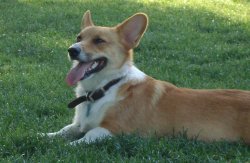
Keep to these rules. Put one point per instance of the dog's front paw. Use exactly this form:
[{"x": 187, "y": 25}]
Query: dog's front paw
[
  {"x": 80, "y": 141},
  {"x": 93, "y": 135},
  {"x": 41, "y": 134},
  {"x": 50, "y": 135},
  {"x": 74, "y": 143}
]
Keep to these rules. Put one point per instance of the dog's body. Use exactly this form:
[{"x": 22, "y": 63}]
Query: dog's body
[{"x": 139, "y": 103}]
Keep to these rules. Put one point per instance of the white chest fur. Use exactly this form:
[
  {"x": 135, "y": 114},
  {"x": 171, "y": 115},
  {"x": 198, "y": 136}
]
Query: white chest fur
[{"x": 89, "y": 115}]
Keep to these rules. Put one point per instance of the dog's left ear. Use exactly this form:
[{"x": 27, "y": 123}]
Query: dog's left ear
[
  {"x": 87, "y": 20},
  {"x": 132, "y": 29}
]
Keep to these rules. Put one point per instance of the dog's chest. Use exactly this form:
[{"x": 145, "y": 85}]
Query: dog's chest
[{"x": 90, "y": 114}]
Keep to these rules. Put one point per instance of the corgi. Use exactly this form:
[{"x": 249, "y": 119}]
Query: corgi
[{"x": 114, "y": 96}]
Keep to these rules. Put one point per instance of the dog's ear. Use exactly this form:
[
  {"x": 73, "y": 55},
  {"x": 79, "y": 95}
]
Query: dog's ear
[
  {"x": 86, "y": 20},
  {"x": 132, "y": 29}
]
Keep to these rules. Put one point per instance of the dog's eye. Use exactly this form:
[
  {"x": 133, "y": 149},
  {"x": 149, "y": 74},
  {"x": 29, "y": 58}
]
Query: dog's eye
[
  {"x": 98, "y": 40},
  {"x": 78, "y": 38}
]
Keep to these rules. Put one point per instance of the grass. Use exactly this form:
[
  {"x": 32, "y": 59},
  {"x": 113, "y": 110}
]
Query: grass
[{"x": 193, "y": 44}]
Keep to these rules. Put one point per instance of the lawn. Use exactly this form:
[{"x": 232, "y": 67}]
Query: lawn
[{"x": 196, "y": 44}]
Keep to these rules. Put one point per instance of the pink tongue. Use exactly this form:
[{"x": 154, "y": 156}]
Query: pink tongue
[{"x": 77, "y": 73}]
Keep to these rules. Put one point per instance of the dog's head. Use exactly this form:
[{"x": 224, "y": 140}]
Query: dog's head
[{"x": 100, "y": 50}]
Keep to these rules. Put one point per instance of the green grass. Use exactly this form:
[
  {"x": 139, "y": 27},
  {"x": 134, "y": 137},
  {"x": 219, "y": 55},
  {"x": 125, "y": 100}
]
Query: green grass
[{"x": 193, "y": 44}]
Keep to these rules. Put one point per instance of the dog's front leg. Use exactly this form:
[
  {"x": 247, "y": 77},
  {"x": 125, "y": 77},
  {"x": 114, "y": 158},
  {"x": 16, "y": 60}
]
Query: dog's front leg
[
  {"x": 97, "y": 133},
  {"x": 70, "y": 132}
]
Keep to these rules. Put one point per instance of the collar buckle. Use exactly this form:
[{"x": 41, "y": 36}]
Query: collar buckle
[
  {"x": 89, "y": 96},
  {"x": 95, "y": 95}
]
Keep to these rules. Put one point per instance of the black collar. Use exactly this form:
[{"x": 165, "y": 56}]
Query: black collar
[{"x": 93, "y": 95}]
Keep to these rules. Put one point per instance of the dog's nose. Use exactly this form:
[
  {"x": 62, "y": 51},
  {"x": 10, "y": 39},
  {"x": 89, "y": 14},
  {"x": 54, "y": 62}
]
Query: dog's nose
[{"x": 74, "y": 52}]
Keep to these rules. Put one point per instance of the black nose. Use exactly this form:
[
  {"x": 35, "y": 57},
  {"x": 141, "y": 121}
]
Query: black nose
[{"x": 74, "y": 52}]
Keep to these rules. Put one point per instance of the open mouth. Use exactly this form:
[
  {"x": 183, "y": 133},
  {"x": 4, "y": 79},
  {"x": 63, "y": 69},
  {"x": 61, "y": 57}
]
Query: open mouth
[{"x": 84, "y": 69}]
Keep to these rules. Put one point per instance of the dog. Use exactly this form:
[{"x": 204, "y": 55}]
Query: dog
[{"x": 114, "y": 97}]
